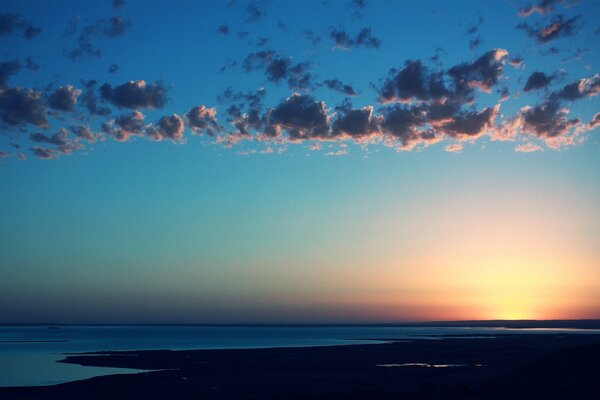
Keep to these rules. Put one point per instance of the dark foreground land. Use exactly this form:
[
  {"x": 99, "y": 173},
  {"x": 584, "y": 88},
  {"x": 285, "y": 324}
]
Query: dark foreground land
[{"x": 525, "y": 366}]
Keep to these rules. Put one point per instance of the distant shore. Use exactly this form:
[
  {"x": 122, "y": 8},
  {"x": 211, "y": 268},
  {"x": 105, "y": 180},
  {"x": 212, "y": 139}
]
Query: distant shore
[
  {"x": 515, "y": 324},
  {"x": 516, "y": 366}
]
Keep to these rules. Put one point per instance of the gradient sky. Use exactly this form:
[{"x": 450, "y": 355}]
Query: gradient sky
[{"x": 331, "y": 161}]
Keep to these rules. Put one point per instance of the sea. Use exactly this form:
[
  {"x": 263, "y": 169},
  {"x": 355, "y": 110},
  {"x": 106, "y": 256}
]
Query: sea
[{"x": 29, "y": 354}]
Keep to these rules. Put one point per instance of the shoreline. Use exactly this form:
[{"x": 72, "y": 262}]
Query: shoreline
[{"x": 527, "y": 366}]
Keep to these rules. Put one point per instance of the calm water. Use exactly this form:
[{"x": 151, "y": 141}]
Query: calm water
[{"x": 28, "y": 355}]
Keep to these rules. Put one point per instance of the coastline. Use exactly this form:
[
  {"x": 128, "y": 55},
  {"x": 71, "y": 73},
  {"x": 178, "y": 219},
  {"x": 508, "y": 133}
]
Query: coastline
[{"x": 515, "y": 365}]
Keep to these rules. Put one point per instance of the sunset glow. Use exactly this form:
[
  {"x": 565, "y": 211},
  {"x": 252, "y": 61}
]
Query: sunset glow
[{"x": 271, "y": 163}]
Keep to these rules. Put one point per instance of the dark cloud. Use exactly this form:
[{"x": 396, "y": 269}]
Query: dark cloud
[
  {"x": 244, "y": 109},
  {"x": 8, "y": 69},
  {"x": 113, "y": 68},
  {"x": 125, "y": 126},
  {"x": 547, "y": 120},
  {"x": 359, "y": 3},
  {"x": 278, "y": 69},
  {"x": 20, "y": 106},
  {"x": 63, "y": 144},
  {"x": 255, "y": 11},
  {"x": 169, "y": 127},
  {"x": 311, "y": 36},
  {"x": 557, "y": 28},
  {"x": 339, "y": 86},
  {"x": 543, "y": 7},
  {"x": 364, "y": 38},
  {"x": 401, "y": 122},
  {"x": 43, "y": 153},
  {"x": 64, "y": 98},
  {"x": 223, "y": 29},
  {"x": 475, "y": 42},
  {"x": 201, "y": 119},
  {"x": 108, "y": 28},
  {"x": 537, "y": 80},
  {"x": 90, "y": 99},
  {"x": 413, "y": 82},
  {"x": 4, "y": 154},
  {"x": 10, "y": 23},
  {"x": 472, "y": 30},
  {"x": 31, "y": 65},
  {"x": 83, "y": 132},
  {"x": 301, "y": 117},
  {"x": 483, "y": 73},
  {"x": 550, "y": 51},
  {"x": 579, "y": 89},
  {"x": 470, "y": 123},
  {"x": 135, "y": 94},
  {"x": 357, "y": 124},
  {"x": 261, "y": 42},
  {"x": 417, "y": 82}
]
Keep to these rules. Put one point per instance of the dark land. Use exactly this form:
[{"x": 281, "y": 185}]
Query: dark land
[{"x": 517, "y": 366}]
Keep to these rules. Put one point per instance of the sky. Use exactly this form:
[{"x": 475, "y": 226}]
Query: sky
[{"x": 294, "y": 162}]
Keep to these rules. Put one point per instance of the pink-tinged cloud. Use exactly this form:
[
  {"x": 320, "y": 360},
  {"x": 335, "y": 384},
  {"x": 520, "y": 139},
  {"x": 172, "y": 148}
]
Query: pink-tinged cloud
[
  {"x": 202, "y": 120},
  {"x": 169, "y": 127},
  {"x": 527, "y": 148},
  {"x": 543, "y": 7},
  {"x": 454, "y": 148},
  {"x": 595, "y": 121}
]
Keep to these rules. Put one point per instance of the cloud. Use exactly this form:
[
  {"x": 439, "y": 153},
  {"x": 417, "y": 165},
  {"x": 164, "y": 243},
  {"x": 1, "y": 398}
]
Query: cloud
[
  {"x": 83, "y": 132},
  {"x": 557, "y": 28},
  {"x": 543, "y": 7},
  {"x": 90, "y": 99},
  {"x": 8, "y": 69},
  {"x": 4, "y": 154},
  {"x": 416, "y": 82},
  {"x": 64, "y": 98},
  {"x": 516, "y": 62},
  {"x": 43, "y": 153},
  {"x": 579, "y": 89},
  {"x": 402, "y": 123},
  {"x": 108, "y": 28},
  {"x": 125, "y": 126},
  {"x": 475, "y": 42},
  {"x": 301, "y": 117},
  {"x": 169, "y": 127},
  {"x": 118, "y": 3},
  {"x": 454, "y": 148},
  {"x": 469, "y": 124},
  {"x": 413, "y": 82},
  {"x": 547, "y": 120},
  {"x": 482, "y": 73},
  {"x": 595, "y": 121},
  {"x": 135, "y": 94},
  {"x": 527, "y": 148},
  {"x": 201, "y": 119},
  {"x": 278, "y": 69},
  {"x": 223, "y": 29},
  {"x": 537, "y": 80},
  {"x": 113, "y": 68},
  {"x": 255, "y": 11},
  {"x": 21, "y": 106},
  {"x": 64, "y": 145},
  {"x": 364, "y": 38},
  {"x": 339, "y": 86},
  {"x": 356, "y": 124},
  {"x": 10, "y": 23}
]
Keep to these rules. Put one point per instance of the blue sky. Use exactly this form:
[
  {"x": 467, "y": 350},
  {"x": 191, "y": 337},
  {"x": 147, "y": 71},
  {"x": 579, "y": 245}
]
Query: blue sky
[{"x": 318, "y": 209}]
